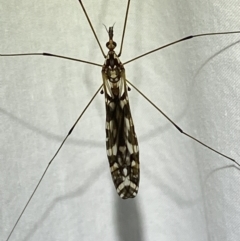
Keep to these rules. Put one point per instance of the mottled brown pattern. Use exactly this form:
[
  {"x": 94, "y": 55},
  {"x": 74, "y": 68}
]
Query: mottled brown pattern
[
  {"x": 121, "y": 140},
  {"x": 117, "y": 135}
]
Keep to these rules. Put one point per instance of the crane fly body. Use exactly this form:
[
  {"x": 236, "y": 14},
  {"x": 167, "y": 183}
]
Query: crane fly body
[{"x": 121, "y": 140}]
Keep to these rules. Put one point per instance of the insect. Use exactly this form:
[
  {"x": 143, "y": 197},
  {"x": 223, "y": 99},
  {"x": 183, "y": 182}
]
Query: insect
[{"x": 118, "y": 185}]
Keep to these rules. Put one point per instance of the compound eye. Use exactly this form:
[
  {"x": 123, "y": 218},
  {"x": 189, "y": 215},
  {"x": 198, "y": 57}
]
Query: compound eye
[{"x": 111, "y": 45}]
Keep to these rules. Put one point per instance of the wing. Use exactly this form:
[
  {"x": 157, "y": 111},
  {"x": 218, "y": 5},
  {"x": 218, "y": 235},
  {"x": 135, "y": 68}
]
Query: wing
[{"x": 121, "y": 143}]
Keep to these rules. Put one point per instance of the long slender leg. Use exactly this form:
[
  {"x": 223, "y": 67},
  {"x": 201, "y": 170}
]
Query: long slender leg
[
  {"x": 51, "y": 55},
  {"x": 45, "y": 171},
  {"x": 179, "y": 129},
  {"x": 178, "y": 41},
  {"x": 95, "y": 35},
  {"x": 124, "y": 28}
]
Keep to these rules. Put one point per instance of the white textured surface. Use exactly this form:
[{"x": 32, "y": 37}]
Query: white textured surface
[{"x": 186, "y": 192}]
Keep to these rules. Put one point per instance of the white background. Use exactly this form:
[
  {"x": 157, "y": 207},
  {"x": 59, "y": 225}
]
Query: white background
[{"x": 186, "y": 191}]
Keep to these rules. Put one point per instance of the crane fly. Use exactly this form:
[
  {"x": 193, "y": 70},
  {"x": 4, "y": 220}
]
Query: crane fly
[{"x": 121, "y": 139}]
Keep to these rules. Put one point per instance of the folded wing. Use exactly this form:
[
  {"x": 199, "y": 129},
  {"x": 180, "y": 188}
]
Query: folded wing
[{"x": 121, "y": 142}]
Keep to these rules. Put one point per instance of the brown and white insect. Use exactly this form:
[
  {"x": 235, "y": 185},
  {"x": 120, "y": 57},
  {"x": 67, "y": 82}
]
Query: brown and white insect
[{"x": 122, "y": 145}]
